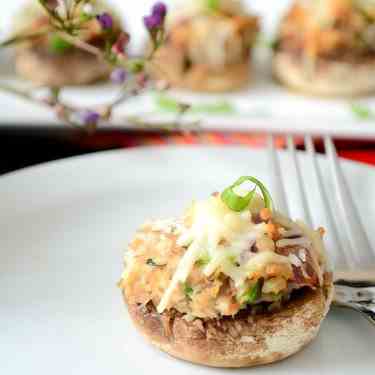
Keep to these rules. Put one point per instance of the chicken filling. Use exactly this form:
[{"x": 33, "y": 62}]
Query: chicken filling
[
  {"x": 214, "y": 37},
  {"x": 329, "y": 29},
  {"x": 215, "y": 262}
]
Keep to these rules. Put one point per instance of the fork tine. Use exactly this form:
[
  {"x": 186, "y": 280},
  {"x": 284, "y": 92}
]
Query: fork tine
[
  {"x": 277, "y": 182},
  {"x": 343, "y": 250},
  {"x": 302, "y": 192},
  {"x": 357, "y": 235}
]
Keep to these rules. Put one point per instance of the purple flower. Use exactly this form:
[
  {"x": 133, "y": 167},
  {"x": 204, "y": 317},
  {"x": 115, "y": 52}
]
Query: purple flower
[
  {"x": 118, "y": 75},
  {"x": 153, "y": 22},
  {"x": 89, "y": 117},
  {"x": 156, "y": 19},
  {"x": 160, "y": 9},
  {"x": 105, "y": 20}
]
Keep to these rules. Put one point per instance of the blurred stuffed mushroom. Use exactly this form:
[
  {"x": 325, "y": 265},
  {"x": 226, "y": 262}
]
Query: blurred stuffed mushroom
[
  {"x": 327, "y": 47},
  {"x": 208, "y": 46},
  {"x": 50, "y": 59}
]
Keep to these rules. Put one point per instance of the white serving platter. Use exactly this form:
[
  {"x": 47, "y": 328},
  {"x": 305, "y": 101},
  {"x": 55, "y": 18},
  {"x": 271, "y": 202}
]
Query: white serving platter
[{"x": 264, "y": 105}]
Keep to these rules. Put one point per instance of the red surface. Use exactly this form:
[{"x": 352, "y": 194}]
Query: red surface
[
  {"x": 362, "y": 151},
  {"x": 358, "y": 155}
]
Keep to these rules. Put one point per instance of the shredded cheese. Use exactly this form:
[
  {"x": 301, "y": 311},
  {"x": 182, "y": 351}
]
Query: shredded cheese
[
  {"x": 225, "y": 237},
  {"x": 181, "y": 274}
]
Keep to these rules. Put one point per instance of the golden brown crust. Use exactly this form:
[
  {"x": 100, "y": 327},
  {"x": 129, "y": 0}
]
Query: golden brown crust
[
  {"x": 74, "y": 68},
  {"x": 327, "y": 78},
  {"x": 242, "y": 341}
]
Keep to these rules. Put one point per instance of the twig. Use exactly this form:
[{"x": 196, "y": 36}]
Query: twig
[
  {"x": 22, "y": 38},
  {"x": 52, "y": 14},
  {"x": 26, "y": 95},
  {"x": 81, "y": 44}
]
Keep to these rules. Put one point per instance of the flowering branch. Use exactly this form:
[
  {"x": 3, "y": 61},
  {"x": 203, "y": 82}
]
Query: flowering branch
[{"x": 66, "y": 19}]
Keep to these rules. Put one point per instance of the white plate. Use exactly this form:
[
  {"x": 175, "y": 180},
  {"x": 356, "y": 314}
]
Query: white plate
[
  {"x": 264, "y": 105},
  {"x": 64, "y": 227}
]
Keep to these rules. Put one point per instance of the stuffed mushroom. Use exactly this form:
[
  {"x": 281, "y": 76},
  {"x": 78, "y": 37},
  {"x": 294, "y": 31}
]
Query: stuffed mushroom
[
  {"x": 232, "y": 283},
  {"x": 51, "y": 60},
  {"x": 208, "y": 47},
  {"x": 327, "y": 47}
]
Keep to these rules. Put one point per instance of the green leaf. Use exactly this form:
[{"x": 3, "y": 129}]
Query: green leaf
[
  {"x": 188, "y": 290},
  {"x": 84, "y": 17},
  {"x": 238, "y": 203},
  {"x": 169, "y": 104},
  {"x": 136, "y": 65},
  {"x": 58, "y": 44},
  {"x": 361, "y": 111},
  {"x": 253, "y": 293},
  {"x": 203, "y": 260},
  {"x": 213, "y": 5},
  {"x": 214, "y": 108}
]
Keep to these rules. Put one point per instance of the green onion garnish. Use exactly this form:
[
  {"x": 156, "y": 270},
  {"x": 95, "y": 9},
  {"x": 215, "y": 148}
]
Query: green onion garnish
[
  {"x": 213, "y": 4},
  {"x": 188, "y": 290},
  {"x": 233, "y": 260},
  {"x": 203, "y": 260},
  {"x": 58, "y": 44},
  {"x": 238, "y": 203},
  {"x": 253, "y": 293}
]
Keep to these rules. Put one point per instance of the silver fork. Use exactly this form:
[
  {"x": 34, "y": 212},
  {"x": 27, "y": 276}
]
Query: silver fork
[{"x": 354, "y": 277}]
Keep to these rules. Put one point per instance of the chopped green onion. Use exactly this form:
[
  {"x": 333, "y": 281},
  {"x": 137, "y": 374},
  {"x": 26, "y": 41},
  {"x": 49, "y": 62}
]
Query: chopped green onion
[
  {"x": 233, "y": 260},
  {"x": 213, "y": 4},
  {"x": 203, "y": 260},
  {"x": 276, "y": 297},
  {"x": 361, "y": 111},
  {"x": 238, "y": 203},
  {"x": 188, "y": 290},
  {"x": 234, "y": 201},
  {"x": 58, "y": 44},
  {"x": 253, "y": 293}
]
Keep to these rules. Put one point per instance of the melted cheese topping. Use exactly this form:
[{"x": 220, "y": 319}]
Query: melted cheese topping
[
  {"x": 329, "y": 28},
  {"x": 222, "y": 236},
  {"x": 206, "y": 263}
]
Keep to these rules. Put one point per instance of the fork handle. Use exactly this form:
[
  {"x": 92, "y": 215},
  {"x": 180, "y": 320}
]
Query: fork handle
[{"x": 356, "y": 291}]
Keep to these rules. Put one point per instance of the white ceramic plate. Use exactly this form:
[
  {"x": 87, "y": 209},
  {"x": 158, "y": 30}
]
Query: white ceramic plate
[
  {"x": 263, "y": 106},
  {"x": 64, "y": 227}
]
